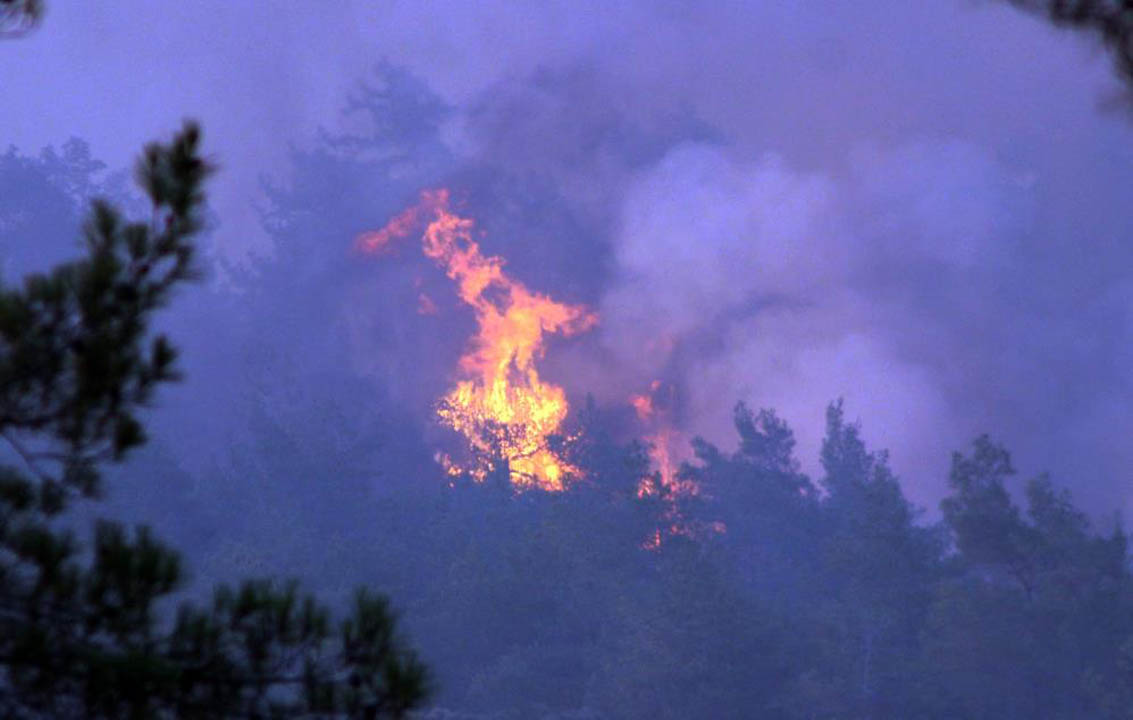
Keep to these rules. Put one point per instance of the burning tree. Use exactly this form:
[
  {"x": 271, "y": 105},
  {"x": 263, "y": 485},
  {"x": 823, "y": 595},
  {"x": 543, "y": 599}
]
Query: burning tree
[
  {"x": 506, "y": 412},
  {"x": 511, "y": 419}
]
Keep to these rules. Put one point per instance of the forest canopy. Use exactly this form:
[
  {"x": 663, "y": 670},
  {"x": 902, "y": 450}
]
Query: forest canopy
[{"x": 760, "y": 568}]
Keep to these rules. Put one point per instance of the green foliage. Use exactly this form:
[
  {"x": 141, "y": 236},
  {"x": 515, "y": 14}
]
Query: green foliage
[
  {"x": 877, "y": 569},
  {"x": 1036, "y": 599},
  {"x": 987, "y": 526},
  {"x": 76, "y": 361},
  {"x": 87, "y": 632}
]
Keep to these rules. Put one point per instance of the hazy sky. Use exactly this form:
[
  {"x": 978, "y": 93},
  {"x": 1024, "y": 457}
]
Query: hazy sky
[{"x": 922, "y": 207}]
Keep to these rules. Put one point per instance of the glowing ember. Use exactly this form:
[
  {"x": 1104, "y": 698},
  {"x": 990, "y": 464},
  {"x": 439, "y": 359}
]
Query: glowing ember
[{"x": 501, "y": 406}]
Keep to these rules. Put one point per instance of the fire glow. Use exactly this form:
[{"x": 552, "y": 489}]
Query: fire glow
[
  {"x": 501, "y": 406},
  {"x": 662, "y": 440}
]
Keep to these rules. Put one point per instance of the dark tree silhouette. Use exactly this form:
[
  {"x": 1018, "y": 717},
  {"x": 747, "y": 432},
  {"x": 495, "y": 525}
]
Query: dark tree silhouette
[
  {"x": 1111, "y": 21},
  {"x": 84, "y": 632},
  {"x": 17, "y": 17}
]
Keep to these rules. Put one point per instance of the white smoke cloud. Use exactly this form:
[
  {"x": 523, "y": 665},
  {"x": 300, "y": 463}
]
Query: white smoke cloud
[
  {"x": 702, "y": 236},
  {"x": 779, "y": 269}
]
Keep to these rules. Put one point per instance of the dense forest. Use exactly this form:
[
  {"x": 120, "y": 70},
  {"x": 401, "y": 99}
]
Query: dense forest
[
  {"x": 773, "y": 594},
  {"x": 743, "y": 579}
]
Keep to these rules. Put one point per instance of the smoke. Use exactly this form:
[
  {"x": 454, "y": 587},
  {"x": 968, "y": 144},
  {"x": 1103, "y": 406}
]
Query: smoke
[
  {"x": 916, "y": 206},
  {"x": 738, "y": 281},
  {"x": 701, "y": 237}
]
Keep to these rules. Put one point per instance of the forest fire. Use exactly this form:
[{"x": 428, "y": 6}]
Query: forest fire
[
  {"x": 505, "y": 411},
  {"x": 654, "y": 411},
  {"x": 500, "y": 405}
]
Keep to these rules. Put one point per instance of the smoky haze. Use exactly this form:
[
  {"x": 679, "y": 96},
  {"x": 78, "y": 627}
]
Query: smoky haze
[
  {"x": 920, "y": 208},
  {"x": 917, "y": 209}
]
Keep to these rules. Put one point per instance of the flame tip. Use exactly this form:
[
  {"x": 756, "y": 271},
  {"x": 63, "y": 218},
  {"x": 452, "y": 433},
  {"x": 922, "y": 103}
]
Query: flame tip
[{"x": 501, "y": 406}]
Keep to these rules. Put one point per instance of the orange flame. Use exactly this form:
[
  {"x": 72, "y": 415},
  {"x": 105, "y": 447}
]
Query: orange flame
[
  {"x": 664, "y": 443},
  {"x": 501, "y": 406},
  {"x": 662, "y": 436},
  {"x": 662, "y": 457},
  {"x": 643, "y": 403}
]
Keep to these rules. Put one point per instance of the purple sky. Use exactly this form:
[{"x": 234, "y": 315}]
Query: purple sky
[{"x": 922, "y": 207}]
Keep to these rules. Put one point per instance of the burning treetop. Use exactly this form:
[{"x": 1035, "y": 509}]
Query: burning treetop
[{"x": 500, "y": 405}]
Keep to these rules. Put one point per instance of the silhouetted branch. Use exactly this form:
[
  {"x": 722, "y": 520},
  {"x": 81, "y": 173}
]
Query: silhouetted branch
[
  {"x": 19, "y": 17},
  {"x": 1110, "y": 20}
]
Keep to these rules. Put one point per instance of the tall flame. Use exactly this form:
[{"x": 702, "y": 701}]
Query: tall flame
[{"x": 500, "y": 405}]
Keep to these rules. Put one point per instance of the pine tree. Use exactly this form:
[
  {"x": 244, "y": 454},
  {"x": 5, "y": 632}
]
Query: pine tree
[{"x": 86, "y": 631}]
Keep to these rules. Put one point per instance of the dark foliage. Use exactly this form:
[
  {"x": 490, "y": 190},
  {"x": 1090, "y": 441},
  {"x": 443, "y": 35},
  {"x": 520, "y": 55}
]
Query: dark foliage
[
  {"x": 1111, "y": 21},
  {"x": 85, "y": 632},
  {"x": 17, "y": 17},
  {"x": 784, "y": 596}
]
